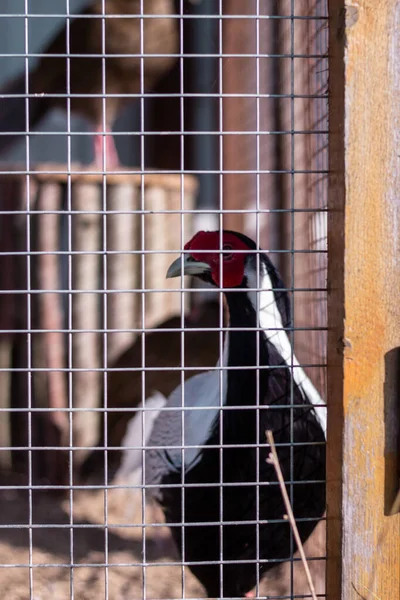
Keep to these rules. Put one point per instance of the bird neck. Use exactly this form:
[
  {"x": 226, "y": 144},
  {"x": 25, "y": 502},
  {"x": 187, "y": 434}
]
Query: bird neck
[
  {"x": 247, "y": 347},
  {"x": 273, "y": 312}
]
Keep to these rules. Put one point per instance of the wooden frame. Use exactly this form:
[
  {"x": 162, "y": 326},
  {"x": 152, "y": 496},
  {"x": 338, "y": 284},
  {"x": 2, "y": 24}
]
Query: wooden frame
[{"x": 363, "y": 307}]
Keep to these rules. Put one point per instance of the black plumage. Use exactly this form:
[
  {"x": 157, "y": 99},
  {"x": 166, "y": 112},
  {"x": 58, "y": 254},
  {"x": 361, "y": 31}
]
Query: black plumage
[
  {"x": 163, "y": 350},
  {"x": 254, "y": 536}
]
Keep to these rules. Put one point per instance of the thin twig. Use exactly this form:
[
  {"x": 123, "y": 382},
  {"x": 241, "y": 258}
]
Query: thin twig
[
  {"x": 274, "y": 460},
  {"x": 372, "y": 593}
]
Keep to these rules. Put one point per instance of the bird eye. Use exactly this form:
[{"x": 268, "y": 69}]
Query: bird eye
[{"x": 227, "y": 256}]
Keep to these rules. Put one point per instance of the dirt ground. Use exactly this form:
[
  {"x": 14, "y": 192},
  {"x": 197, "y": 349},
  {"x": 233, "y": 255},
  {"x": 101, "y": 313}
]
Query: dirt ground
[{"x": 131, "y": 574}]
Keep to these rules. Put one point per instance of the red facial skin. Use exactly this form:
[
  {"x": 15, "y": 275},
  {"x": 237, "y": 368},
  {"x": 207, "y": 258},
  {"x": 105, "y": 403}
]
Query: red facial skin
[{"x": 205, "y": 247}]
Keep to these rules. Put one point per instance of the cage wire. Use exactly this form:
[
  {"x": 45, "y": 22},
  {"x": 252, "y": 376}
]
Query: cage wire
[{"x": 218, "y": 111}]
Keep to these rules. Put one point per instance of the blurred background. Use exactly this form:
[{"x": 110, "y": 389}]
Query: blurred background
[{"x": 227, "y": 125}]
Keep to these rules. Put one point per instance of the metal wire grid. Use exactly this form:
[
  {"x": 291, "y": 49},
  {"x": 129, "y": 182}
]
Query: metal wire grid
[{"x": 316, "y": 14}]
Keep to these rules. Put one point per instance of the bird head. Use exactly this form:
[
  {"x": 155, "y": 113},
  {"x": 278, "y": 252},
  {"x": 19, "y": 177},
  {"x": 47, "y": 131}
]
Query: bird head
[
  {"x": 230, "y": 259},
  {"x": 218, "y": 259}
]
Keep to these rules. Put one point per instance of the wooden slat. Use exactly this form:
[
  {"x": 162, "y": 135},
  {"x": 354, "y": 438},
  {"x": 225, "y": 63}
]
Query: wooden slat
[
  {"x": 363, "y": 306},
  {"x": 48, "y": 346},
  {"x": 86, "y": 349},
  {"x": 24, "y": 196},
  {"x": 9, "y": 197},
  {"x": 5, "y": 421},
  {"x": 305, "y": 190},
  {"x": 79, "y": 173},
  {"x": 50, "y": 305},
  {"x": 163, "y": 232},
  {"x": 155, "y": 264},
  {"x": 122, "y": 267}
]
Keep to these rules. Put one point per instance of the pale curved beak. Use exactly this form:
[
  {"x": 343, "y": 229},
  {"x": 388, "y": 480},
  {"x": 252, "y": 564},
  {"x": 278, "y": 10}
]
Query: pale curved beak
[{"x": 189, "y": 267}]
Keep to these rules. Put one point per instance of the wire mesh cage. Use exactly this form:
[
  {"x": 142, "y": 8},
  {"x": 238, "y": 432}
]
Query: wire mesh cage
[{"x": 135, "y": 407}]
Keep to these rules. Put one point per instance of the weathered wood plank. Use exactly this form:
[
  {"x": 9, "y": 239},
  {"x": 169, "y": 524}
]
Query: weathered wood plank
[{"x": 364, "y": 311}]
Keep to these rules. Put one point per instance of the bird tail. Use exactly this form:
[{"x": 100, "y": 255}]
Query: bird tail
[
  {"x": 130, "y": 470},
  {"x": 13, "y": 117}
]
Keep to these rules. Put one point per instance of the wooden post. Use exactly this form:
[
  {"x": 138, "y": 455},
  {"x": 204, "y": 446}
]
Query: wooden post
[
  {"x": 86, "y": 349},
  {"x": 363, "y": 303}
]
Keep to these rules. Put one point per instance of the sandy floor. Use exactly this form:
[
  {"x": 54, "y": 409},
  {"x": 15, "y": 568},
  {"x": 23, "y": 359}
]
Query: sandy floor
[{"x": 126, "y": 577}]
